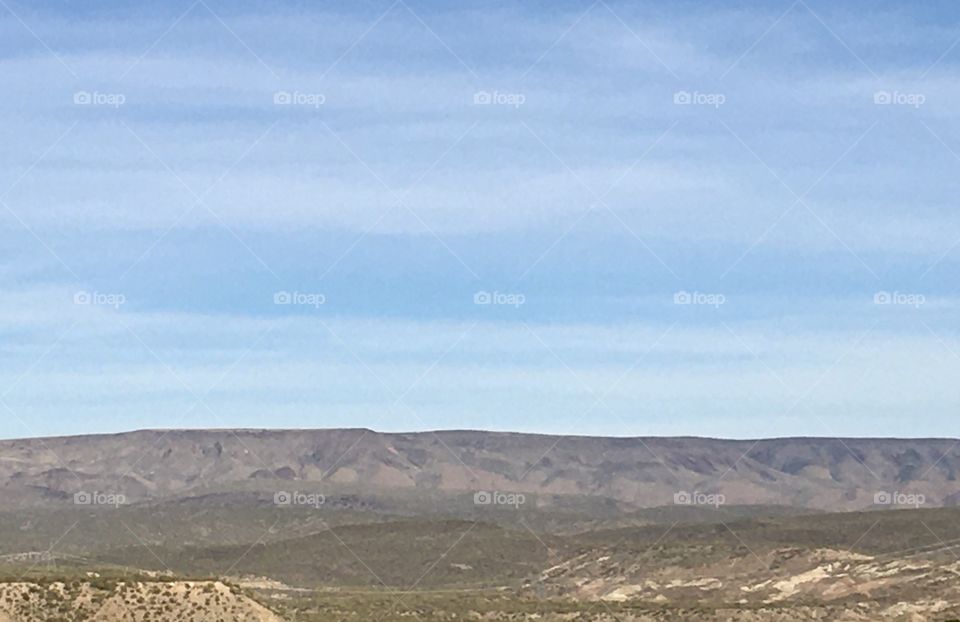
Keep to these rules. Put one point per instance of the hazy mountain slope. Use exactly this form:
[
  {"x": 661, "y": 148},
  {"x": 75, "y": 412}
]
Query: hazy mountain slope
[{"x": 831, "y": 474}]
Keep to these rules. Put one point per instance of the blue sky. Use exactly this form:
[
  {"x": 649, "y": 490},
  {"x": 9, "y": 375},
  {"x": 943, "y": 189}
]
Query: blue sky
[{"x": 732, "y": 220}]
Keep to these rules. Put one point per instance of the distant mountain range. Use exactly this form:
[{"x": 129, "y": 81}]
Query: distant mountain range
[{"x": 551, "y": 471}]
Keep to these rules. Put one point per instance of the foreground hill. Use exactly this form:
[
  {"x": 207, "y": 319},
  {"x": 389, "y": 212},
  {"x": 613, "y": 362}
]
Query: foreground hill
[
  {"x": 97, "y": 600},
  {"x": 815, "y": 473}
]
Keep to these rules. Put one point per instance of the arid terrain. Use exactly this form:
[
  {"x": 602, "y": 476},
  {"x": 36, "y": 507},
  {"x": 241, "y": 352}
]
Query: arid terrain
[{"x": 357, "y": 525}]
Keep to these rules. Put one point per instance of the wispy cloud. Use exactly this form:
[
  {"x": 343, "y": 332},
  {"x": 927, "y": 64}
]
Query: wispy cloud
[{"x": 400, "y": 158}]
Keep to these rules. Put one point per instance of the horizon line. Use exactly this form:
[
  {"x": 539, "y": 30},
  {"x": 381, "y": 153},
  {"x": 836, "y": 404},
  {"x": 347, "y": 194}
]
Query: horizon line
[{"x": 366, "y": 430}]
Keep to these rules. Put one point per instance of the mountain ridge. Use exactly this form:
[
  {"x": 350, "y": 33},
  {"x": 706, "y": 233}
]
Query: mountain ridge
[{"x": 834, "y": 474}]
